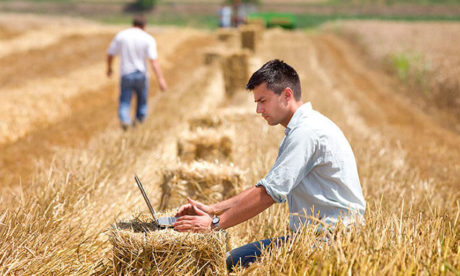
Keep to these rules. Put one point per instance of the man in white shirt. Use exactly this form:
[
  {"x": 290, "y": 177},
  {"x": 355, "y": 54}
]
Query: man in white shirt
[
  {"x": 315, "y": 170},
  {"x": 134, "y": 46}
]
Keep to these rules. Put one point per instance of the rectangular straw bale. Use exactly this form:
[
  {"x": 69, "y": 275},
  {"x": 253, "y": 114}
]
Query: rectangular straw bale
[
  {"x": 204, "y": 121},
  {"x": 229, "y": 37},
  {"x": 212, "y": 56},
  {"x": 139, "y": 249},
  {"x": 235, "y": 68},
  {"x": 227, "y": 114},
  {"x": 249, "y": 38},
  {"x": 205, "y": 144},
  {"x": 203, "y": 181}
]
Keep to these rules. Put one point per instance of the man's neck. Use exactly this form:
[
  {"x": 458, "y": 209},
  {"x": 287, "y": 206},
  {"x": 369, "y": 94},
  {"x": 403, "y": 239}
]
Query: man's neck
[{"x": 292, "y": 109}]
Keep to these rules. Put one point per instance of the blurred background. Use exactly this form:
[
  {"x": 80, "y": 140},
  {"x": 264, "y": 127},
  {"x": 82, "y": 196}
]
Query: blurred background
[{"x": 304, "y": 13}]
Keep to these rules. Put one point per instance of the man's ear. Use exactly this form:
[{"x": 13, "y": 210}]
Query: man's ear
[{"x": 288, "y": 93}]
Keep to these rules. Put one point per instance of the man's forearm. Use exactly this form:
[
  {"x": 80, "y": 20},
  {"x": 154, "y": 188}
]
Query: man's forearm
[
  {"x": 195, "y": 216},
  {"x": 159, "y": 74},
  {"x": 251, "y": 203},
  {"x": 157, "y": 69},
  {"x": 220, "y": 207}
]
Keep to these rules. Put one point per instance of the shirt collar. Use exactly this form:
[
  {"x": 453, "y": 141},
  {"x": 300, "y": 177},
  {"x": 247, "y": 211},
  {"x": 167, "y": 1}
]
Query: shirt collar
[{"x": 300, "y": 113}]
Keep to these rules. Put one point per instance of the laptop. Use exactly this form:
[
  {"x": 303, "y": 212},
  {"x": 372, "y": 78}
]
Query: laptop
[{"x": 163, "y": 222}]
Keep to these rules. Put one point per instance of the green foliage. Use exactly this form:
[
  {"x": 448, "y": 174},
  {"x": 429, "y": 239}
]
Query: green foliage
[
  {"x": 410, "y": 68},
  {"x": 200, "y": 21},
  {"x": 402, "y": 65},
  {"x": 146, "y": 4}
]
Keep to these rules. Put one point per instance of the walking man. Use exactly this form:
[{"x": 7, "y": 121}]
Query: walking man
[
  {"x": 134, "y": 46},
  {"x": 315, "y": 170}
]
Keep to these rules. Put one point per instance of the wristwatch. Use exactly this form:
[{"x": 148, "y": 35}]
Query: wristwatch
[{"x": 215, "y": 223}]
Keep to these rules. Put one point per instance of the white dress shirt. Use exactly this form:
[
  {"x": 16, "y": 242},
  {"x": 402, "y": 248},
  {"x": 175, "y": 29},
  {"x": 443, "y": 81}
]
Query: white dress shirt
[{"x": 316, "y": 172}]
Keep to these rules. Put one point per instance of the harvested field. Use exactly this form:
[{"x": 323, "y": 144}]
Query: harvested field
[
  {"x": 424, "y": 55},
  {"x": 66, "y": 168}
]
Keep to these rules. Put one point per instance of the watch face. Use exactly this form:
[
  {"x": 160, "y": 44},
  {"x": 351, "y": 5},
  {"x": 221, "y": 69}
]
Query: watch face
[{"x": 215, "y": 220}]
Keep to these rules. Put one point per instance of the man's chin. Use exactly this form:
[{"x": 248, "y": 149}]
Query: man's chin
[{"x": 271, "y": 123}]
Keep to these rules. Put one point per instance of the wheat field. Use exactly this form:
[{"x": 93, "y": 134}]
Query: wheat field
[{"x": 66, "y": 168}]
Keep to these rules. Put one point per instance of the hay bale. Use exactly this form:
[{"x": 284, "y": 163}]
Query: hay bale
[
  {"x": 228, "y": 114},
  {"x": 249, "y": 38},
  {"x": 211, "y": 56},
  {"x": 203, "y": 181},
  {"x": 229, "y": 37},
  {"x": 205, "y": 145},
  {"x": 235, "y": 68},
  {"x": 138, "y": 249},
  {"x": 204, "y": 121}
]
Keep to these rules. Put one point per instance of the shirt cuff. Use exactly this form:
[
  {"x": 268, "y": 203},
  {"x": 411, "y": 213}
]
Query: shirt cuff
[{"x": 277, "y": 197}]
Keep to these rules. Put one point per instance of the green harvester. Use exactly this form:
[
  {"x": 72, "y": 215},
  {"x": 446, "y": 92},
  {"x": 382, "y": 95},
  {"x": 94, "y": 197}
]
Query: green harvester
[{"x": 274, "y": 19}]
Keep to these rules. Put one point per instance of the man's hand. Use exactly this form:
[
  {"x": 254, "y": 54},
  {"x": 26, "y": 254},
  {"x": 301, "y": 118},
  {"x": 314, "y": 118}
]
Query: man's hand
[
  {"x": 199, "y": 223},
  {"x": 188, "y": 209},
  {"x": 109, "y": 65}
]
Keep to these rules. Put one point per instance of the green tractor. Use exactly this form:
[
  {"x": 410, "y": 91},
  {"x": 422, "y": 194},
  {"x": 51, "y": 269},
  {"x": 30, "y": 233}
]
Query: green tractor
[{"x": 274, "y": 19}]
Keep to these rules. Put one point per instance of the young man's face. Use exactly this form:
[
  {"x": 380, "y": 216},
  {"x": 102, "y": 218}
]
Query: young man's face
[{"x": 273, "y": 107}]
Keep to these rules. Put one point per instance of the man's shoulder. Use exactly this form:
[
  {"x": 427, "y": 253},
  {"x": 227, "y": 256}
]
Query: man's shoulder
[
  {"x": 307, "y": 119},
  {"x": 131, "y": 32},
  {"x": 124, "y": 32},
  {"x": 315, "y": 124},
  {"x": 304, "y": 129},
  {"x": 145, "y": 37}
]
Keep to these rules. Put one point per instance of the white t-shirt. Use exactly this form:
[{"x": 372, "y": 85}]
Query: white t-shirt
[{"x": 134, "y": 46}]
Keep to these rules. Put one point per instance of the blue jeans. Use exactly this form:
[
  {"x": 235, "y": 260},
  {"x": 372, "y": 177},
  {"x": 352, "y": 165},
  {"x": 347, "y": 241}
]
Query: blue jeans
[
  {"x": 137, "y": 82},
  {"x": 247, "y": 254}
]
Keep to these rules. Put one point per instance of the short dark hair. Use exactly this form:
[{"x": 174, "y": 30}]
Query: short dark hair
[
  {"x": 139, "y": 21},
  {"x": 278, "y": 75}
]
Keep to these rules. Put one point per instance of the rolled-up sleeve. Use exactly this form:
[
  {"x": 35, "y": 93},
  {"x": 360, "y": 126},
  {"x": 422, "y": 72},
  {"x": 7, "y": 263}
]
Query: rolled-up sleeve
[{"x": 294, "y": 161}]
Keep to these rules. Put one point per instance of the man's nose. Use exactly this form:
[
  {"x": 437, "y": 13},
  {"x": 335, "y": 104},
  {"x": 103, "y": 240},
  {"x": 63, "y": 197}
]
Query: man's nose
[{"x": 259, "y": 109}]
